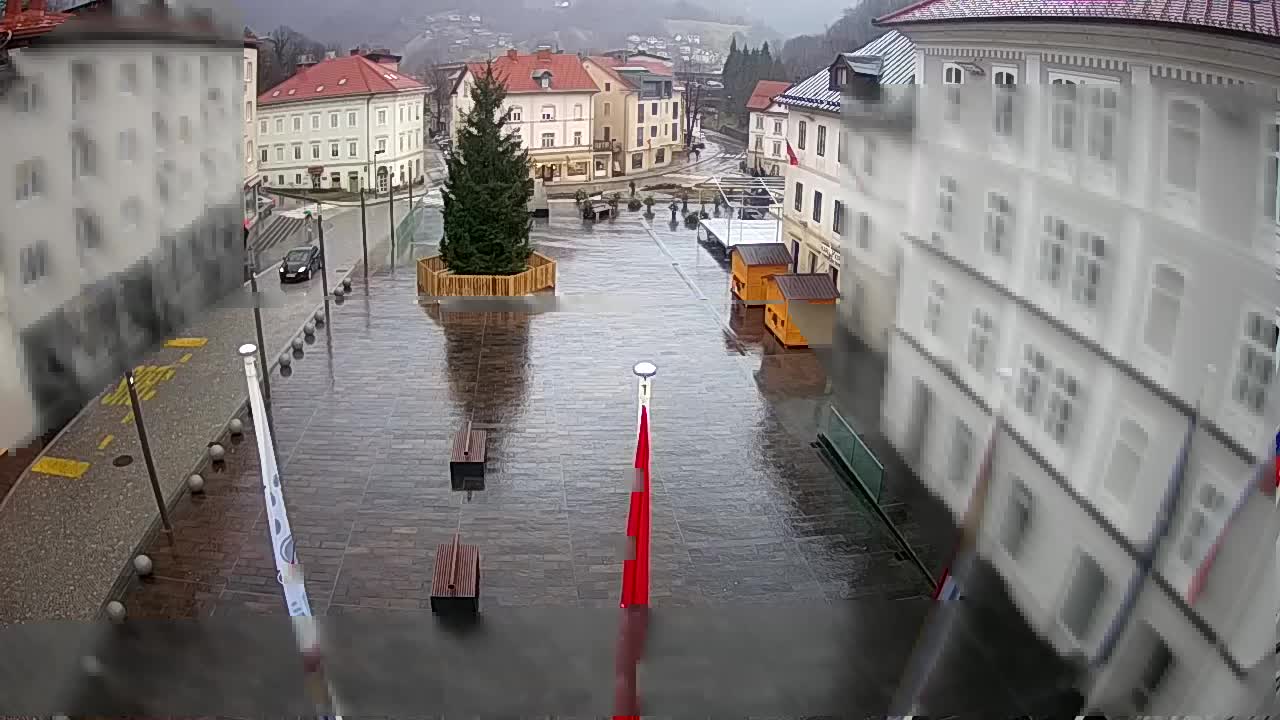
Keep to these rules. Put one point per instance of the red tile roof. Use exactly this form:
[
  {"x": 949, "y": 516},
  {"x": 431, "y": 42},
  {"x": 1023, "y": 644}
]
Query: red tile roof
[
  {"x": 606, "y": 63},
  {"x": 766, "y": 90},
  {"x": 1249, "y": 17},
  {"x": 29, "y": 22},
  {"x": 517, "y": 71},
  {"x": 339, "y": 77}
]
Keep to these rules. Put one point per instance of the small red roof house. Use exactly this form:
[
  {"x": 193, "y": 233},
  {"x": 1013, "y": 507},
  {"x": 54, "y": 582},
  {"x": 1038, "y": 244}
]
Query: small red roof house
[
  {"x": 764, "y": 93},
  {"x": 347, "y": 76}
]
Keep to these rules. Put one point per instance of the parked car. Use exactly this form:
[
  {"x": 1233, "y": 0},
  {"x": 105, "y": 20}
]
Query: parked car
[{"x": 300, "y": 263}]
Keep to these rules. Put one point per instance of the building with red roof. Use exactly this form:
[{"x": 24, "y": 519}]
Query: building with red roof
[
  {"x": 767, "y": 128},
  {"x": 351, "y": 122},
  {"x": 639, "y": 111},
  {"x": 549, "y": 106}
]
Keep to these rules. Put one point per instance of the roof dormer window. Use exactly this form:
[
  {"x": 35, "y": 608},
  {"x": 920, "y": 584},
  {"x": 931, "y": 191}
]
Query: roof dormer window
[
  {"x": 292, "y": 91},
  {"x": 343, "y": 81},
  {"x": 543, "y": 79},
  {"x": 319, "y": 88}
]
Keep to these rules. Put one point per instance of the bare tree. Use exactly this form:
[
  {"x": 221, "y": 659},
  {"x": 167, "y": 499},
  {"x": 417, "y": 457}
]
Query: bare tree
[
  {"x": 437, "y": 77},
  {"x": 695, "y": 95}
]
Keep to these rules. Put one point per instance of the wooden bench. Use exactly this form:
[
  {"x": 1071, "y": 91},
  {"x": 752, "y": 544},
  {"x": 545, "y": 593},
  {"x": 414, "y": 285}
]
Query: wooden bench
[
  {"x": 455, "y": 584},
  {"x": 596, "y": 210},
  {"x": 466, "y": 464}
]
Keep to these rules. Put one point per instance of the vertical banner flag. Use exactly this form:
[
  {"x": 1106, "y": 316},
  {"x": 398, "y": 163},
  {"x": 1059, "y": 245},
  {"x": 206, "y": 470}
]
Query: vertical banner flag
[
  {"x": 1147, "y": 556},
  {"x": 1263, "y": 477},
  {"x": 635, "y": 567},
  {"x": 288, "y": 569},
  {"x": 791, "y": 155}
]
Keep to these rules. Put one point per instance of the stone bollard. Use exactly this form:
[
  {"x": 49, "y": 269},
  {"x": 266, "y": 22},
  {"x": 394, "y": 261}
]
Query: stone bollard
[
  {"x": 309, "y": 328},
  {"x": 297, "y": 343},
  {"x": 143, "y": 565},
  {"x": 217, "y": 453},
  {"x": 285, "y": 360},
  {"x": 116, "y": 612},
  {"x": 339, "y": 292},
  {"x": 195, "y": 484},
  {"x": 236, "y": 426},
  {"x": 319, "y": 317},
  {"x": 346, "y": 284}
]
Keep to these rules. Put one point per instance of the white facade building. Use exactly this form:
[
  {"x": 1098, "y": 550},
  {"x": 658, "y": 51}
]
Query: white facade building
[
  {"x": 250, "y": 116},
  {"x": 767, "y": 128},
  {"x": 1101, "y": 221},
  {"x": 346, "y": 122},
  {"x": 549, "y": 105},
  {"x": 123, "y": 188}
]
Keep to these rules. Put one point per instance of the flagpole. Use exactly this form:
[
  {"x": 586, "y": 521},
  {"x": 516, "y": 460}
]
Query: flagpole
[
  {"x": 288, "y": 569},
  {"x": 942, "y": 618},
  {"x": 635, "y": 568}
]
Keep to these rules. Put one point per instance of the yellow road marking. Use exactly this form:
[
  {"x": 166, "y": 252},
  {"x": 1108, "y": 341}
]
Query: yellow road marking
[
  {"x": 186, "y": 357},
  {"x": 187, "y": 343},
  {"x": 145, "y": 381},
  {"x": 128, "y": 418},
  {"x": 61, "y": 467},
  {"x": 106, "y": 441}
]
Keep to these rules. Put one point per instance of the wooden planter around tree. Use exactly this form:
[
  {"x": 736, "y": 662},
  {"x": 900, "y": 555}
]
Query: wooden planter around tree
[{"x": 434, "y": 280}]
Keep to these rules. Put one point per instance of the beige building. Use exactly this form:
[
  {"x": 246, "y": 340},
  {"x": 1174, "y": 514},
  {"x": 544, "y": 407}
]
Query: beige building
[
  {"x": 638, "y": 113},
  {"x": 251, "y": 177}
]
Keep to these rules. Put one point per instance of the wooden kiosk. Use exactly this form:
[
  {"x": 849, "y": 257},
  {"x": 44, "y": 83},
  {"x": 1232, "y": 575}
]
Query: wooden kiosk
[
  {"x": 800, "y": 300},
  {"x": 751, "y": 264}
]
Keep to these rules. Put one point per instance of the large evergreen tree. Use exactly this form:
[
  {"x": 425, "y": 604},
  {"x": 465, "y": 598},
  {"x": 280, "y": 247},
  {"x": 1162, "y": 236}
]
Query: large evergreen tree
[{"x": 486, "y": 217}]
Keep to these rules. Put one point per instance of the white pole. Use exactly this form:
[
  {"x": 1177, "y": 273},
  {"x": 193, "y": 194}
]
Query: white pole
[
  {"x": 645, "y": 372},
  {"x": 288, "y": 569}
]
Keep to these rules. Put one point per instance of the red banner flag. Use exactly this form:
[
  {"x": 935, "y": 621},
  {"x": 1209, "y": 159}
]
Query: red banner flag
[
  {"x": 791, "y": 155},
  {"x": 635, "y": 568}
]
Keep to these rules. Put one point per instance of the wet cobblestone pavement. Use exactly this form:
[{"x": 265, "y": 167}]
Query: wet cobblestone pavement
[{"x": 744, "y": 510}]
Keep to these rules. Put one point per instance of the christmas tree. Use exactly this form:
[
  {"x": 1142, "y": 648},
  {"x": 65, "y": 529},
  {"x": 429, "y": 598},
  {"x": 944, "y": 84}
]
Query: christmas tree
[{"x": 486, "y": 218}]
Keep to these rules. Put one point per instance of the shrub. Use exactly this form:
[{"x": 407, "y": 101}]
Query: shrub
[
  {"x": 691, "y": 220},
  {"x": 648, "y": 202},
  {"x": 634, "y": 204}
]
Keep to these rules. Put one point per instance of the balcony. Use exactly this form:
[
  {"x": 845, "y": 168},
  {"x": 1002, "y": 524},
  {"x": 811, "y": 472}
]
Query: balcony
[{"x": 606, "y": 146}]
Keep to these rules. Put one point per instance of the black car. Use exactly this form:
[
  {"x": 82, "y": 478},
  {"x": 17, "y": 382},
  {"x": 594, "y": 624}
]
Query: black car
[{"x": 300, "y": 263}]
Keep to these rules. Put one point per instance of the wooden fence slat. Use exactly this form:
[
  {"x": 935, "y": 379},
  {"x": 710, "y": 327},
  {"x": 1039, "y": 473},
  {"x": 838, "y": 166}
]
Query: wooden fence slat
[{"x": 435, "y": 281}]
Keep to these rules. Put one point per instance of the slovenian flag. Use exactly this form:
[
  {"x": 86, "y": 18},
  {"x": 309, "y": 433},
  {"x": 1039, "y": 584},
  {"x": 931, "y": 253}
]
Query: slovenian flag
[
  {"x": 791, "y": 155},
  {"x": 1265, "y": 476}
]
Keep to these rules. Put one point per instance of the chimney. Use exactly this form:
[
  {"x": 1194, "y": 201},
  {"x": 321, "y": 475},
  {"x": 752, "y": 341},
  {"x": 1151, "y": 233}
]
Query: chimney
[
  {"x": 330, "y": 54},
  {"x": 305, "y": 61},
  {"x": 544, "y": 53},
  {"x": 355, "y": 51},
  {"x": 512, "y": 53}
]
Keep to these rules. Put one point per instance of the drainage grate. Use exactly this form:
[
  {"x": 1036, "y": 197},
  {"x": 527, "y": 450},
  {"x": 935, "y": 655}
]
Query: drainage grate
[{"x": 123, "y": 461}]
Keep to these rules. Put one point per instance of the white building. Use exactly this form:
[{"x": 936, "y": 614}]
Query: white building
[
  {"x": 549, "y": 105},
  {"x": 840, "y": 185},
  {"x": 252, "y": 179},
  {"x": 346, "y": 122},
  {"x": 123, "y": 192},
  {"x": 1093, "y": 207},
  {"x": 767, "y": 124}
]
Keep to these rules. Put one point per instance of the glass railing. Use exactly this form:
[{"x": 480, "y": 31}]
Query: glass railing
[{"x": 853, "y": 453}]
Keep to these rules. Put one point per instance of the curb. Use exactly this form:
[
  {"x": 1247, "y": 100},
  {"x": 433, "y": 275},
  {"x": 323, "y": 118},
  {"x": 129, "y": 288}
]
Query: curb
[{"x": 125, "y": 577}]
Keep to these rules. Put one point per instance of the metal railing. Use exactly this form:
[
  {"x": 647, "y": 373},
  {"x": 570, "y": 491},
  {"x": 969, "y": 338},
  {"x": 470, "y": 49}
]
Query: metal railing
[{"x": 853, "y": 453}]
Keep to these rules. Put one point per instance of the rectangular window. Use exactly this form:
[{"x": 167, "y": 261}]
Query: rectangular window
[
  {"x": 822, "y": 141},
  {"x": 577, "y": 112},
  {"x": 660, "y": 155},
  {"x": 1164, "y": 305},
  {"x": 351, "y": 119},
  {"x": 653, "y": 109},
  {"x": 1257, "y": 362},
  {"x": 1017, "y": 520},
  {"x": 382, "y": 144},
  {"x": 262, "y": 127},
  {"x": 653, "y": 131},
  {"x": 675, "y": 132},
  {"x": 1203, "y": 519},
  {"x": 248, "y": 112},
  {"x": 1084, "y": 595},
  {"x": 352, "y": 149},
  {"x": 1104, "y": 105},
  {"x": 315, "y": 151},
  {"x": 1031, "y": 381},
  {"x": 837, "y": 218},
  {"x": 297, "y": 179},
  {"x": 817, "y": 207},
  {"x": 608, "y": 108},
  {"x": 297, "y": 152},
  {"x": 279, "y": 153},
  {"x": 297, "y": 123},
  {"x": 1271, "y": 175},
  {"x": 1183, "y": 155},
  {"x": 777, "y": 127},
  {"x": 864, "y": 231},
  {"x": 1126, "y": 461},
  {"x": 30, "y": 182},
  {"x": 640, "y": 112},
  {"x": 961, "y": 453},
  {"x": 640, "y": 136},
  {"x": 675, "y": 110},
  {"x": 637, "y": 161},
  {"x": 33, "y": 262},
  {"x": 1086, "y": 274},
  {"x": 946, "y": 203},
  {"x": 279, "y": 125},
  {"x": 777, "y": 149},
  {"x": 262, "y": 155},
  {"x": 999, "y": 230},
  {"x": 577, "y": 137},
  {"x": 1053, "y": 251},
  {"x": 333, "y": 150},
  {"x": 1063, "y": 119},
  {"x": 548, "y": 112},
  {"x": 1004, "y": 83},
  {"x": 382, "y": 116},
  {"x": 548, "y": 140},
  {"x": 933, "y": 311},
  {"x": 842, "y": 148},
  {"x": 759, "y": 122},
  {"x": 334, "y": 119},
  {"x": 759, "y": 145},
  {"x": 801, "y": 132},
  {"x": 129, "y": 79},
  {"x": 1062, "y": 403},
  {"x": 953, "y": 78},
  {"x": 799, "y": 198},
  {"x": 981, "y": 335}
]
